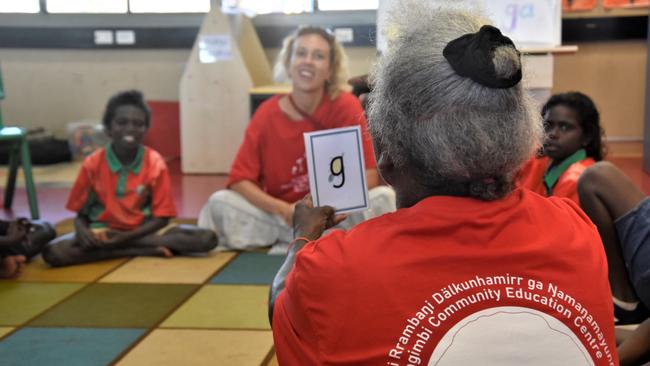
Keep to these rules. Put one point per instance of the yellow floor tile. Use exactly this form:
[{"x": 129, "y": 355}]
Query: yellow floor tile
[
  {"x": 201, "y": 347},
  {"x": 5, "y": 330},
  {"x": 224, "y": 307},
  {"x": 170, "y": 270},
  {"x": 39, "y": 271},
  {"x": 21, "y": 301}
]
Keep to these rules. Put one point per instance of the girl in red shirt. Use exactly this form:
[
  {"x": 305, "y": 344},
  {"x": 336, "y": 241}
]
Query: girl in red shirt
[{"x": 573, "y": 143}]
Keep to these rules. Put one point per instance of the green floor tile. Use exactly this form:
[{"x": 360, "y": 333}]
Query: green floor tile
[
  {"x": 20, "y": 302},
  {"x": 250, "y": 269},
  {"x": 116, "y": 306},
  {"x": 66, "y": 346},
  {"x": 224, "y": 307}
]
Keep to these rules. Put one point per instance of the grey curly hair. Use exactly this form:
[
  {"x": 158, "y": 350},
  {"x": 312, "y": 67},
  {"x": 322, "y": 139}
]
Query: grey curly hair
[{"x": 461, "y": 138}]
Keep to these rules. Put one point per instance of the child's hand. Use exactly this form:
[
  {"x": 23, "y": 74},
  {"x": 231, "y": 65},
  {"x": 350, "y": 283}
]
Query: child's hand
[
  {"x": 114, "y": 237},
  {"x": 85, "y": 237}
]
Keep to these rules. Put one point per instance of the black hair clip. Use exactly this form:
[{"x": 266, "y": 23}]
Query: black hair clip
[{"x": 471, "y": 56}]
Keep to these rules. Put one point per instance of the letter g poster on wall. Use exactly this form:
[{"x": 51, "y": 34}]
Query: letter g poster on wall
[
  {"x": 532, "y": 23},
  {"x": 336, "y": 168}
]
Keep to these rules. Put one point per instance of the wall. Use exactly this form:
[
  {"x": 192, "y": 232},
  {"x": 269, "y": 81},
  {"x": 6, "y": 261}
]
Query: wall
[
  {"x": 613, "y": 74},
  {"x": 49, "y": 88}
]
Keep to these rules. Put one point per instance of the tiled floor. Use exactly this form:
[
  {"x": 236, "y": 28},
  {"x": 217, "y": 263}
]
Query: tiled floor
[
  {"x": 140, "y": 311},
  {"x": 208, "y": 310}
]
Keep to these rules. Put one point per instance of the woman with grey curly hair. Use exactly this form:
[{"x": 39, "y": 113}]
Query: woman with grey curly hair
[{"x": 469, "y": 269}]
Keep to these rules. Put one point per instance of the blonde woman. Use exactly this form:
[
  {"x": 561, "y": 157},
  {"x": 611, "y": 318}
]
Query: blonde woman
[{"x": 269, "y": 174}]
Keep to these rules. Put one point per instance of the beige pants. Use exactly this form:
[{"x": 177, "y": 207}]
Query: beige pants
[{"x": 241, "y": 225}]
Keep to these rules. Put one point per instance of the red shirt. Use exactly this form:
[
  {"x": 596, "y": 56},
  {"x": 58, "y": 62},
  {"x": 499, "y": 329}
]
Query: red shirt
[
  {"x": 121, "y": 197},
  {"x": 532, "y": 177},
  {"x": 272, "y": 154},
  {"x": 523, "y": 278},
  {"x": 567, "y": 184}
]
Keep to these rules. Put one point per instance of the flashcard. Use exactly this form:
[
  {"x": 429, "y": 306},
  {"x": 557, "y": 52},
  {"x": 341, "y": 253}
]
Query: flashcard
[{"x": 337, "y": 174}]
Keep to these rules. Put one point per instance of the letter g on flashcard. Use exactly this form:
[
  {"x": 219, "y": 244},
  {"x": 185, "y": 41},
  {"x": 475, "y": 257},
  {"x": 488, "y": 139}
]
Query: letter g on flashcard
[{"x": 336, "y": 168}]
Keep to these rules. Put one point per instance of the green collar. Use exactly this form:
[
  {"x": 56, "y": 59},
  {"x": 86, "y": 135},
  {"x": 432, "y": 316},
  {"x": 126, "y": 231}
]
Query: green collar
[
  {"x": 553, "y": 173},
  {"x": 116, "y": 166}
]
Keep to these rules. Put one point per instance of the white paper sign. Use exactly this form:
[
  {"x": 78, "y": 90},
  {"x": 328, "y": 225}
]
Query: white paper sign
[
  {"x": 125, "y": 37},
  {"x": 527, "y": 22},
  {"x": 214, "y": 48},
  {"x": 337, "y": 172},
  {"x": 103, "y": 37}
]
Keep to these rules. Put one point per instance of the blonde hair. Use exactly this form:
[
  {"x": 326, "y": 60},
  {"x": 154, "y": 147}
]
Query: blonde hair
[{"x": 338, "y": 60}]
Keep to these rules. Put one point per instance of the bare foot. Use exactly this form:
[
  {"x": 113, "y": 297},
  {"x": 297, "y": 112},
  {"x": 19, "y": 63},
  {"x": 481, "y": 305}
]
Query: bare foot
[
  {"x": 166, "y": 252},
  {"x": 12, "y": 266}
]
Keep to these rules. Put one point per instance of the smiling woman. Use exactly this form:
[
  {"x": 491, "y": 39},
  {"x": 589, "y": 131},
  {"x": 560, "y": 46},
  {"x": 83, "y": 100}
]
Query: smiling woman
[{"x": 267, "y": 178}]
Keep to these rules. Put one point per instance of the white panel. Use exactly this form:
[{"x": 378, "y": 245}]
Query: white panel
[
  {"x": 253, "y": 7},
  {"x": 347, "y": 5},
  {"x": 22, "y": 6},
  {"x": 86, "y": 6},
  {"x": 169, "y": 6}
]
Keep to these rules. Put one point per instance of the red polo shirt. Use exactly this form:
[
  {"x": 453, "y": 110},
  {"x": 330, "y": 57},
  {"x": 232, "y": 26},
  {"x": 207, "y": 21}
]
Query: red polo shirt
[{"x": 122, "y": 197}]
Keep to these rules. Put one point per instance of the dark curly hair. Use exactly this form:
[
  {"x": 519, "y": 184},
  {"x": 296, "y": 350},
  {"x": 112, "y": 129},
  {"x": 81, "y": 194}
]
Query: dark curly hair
[
  {"x": 588, "y": 116},
  {"x": 129, "y": 97}
]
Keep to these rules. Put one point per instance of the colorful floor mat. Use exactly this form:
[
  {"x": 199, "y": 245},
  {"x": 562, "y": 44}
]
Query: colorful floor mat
[{"x": 209, "y": 310}]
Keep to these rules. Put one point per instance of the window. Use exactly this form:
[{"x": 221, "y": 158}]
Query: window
[
  {"x": 169, "y": 6},
  {"x": 22, "y": 6},
  {"x": 87, "y": 6},
  {"x": 347, "y": 5},
  {"x": 253, "y": 7}
]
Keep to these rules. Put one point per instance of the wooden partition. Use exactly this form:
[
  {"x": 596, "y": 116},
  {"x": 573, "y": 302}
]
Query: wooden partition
[{"x": 214, "y": 97}]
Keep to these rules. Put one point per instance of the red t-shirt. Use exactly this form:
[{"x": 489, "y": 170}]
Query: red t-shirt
[
  {"x": 522, "y": 280},
  {"x": 121, "y": 197},
  {"x": 567, "y": 184},
  {"x": 532, "y": 177},
  {"x": 272, "y": 154}
]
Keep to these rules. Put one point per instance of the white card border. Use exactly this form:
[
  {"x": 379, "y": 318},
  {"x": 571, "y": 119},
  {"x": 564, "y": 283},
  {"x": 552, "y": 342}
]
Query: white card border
[{"x": 309, "y": 152}]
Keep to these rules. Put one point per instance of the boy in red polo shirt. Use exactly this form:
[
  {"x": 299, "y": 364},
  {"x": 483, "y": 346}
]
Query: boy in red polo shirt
[{"x": 123, "y": 197}]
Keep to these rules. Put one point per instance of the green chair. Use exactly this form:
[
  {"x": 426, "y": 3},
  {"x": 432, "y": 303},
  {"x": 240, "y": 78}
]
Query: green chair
[{"x": 19, "y": 155}]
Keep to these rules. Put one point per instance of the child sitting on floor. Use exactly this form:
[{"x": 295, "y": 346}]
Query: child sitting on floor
[
  {"x": 123, "y": 197},
  {"x": 20, "y": 240},
  {"x": 573, "y": 143}
]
